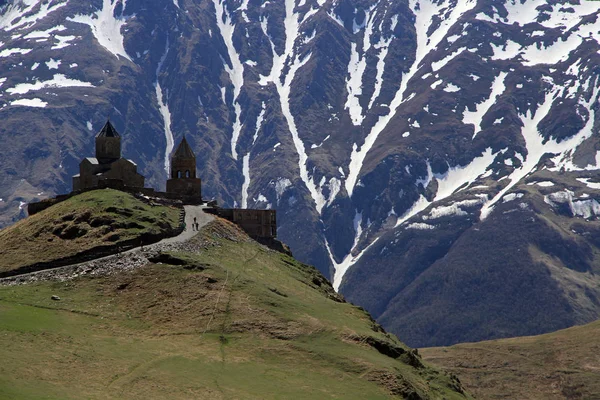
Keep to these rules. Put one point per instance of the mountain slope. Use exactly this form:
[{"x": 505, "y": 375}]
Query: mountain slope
[
  {"x": 217, "y": 317},
  {"x": 531, "y": 267},
  {"x": 559, "y": 365},
  {"x": 349, "y": 116}
]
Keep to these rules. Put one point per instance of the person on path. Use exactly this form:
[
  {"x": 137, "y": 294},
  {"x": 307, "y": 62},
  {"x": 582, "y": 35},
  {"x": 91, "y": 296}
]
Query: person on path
[{"x": 195, "y": 225}]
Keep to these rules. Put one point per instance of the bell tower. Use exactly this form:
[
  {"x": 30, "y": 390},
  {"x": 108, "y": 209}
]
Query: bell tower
[
  {"x": 108, "y": 144},
  {"x": 183, "y": 162},
  {"x": 183, "y": 180}
]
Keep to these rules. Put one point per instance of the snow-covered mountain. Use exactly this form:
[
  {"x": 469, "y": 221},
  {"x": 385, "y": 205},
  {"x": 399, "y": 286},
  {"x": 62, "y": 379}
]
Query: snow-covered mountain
[{"x": 388, "y": 134}]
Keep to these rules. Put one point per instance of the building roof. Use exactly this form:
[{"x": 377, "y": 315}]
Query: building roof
[
  {"x": 108, "y": 130},
  {"x": 184, "y": 150}
]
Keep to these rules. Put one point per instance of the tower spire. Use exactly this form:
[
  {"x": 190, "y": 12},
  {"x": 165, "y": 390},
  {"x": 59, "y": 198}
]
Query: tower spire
[{"x": 108, "y": 143}]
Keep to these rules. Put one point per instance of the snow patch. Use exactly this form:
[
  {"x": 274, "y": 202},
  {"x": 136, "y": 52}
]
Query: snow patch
[
  {"x": 437, "y": 65},
  {"x": 44, "y": 34},
  {"x": 53, "y": 64},
  {"x": 581, "y": 208},
  {"x": 511, "y": 197},
  {"x": 460, "y": 176},
  {"x": 542, "y": 183},
  {"x": 58, "y": 81},
  {"x": 106, "y": 27},
  {"x": 450, "y": 88},
  {"x": 420, "y": 226},
  {"x": 281, "y": 186},
  {"x": 235, "y": 72},
  {"x": 591, "y": 185},
  {"x": 383, "y": 47},
  {"x": 246, "y": 184},
  {"x": 63, "y": 41},
  {"x": 475, "y": 117},
  {"x": 38, "y": 103},
  {"x": 246, "y": 160},
  {"x": 163, "y": 108},
  {"x": 10, "y": 52},
  {"x": 454, "y": 208},
  {"x": 356, "y": 69}
]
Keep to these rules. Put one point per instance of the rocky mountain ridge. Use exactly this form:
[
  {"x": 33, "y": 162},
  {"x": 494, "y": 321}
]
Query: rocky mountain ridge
[{"x": 362, "y": 122}]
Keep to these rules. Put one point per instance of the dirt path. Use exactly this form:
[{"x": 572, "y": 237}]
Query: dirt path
[
  {"x": 126, "y": 260},
  {"x": 191, "y": 212}
]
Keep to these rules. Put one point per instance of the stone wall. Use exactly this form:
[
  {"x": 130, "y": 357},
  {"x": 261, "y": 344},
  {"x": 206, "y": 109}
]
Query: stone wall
[
  {"x": 256, "y": 223},
  {"x": 185, "y": 186}
]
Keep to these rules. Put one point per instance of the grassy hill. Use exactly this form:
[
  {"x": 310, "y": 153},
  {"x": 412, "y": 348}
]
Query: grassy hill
[
  {"x": 559, "y": 365},
  {"x": 92, "y": 219},
  {"x": 224, "y": 319}
]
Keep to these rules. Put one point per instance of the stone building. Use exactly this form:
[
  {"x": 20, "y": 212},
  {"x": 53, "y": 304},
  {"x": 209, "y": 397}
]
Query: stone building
[
  {"x": 183, "y": 181},
  {"x": 108, "y": 168},
  {"x": 256, "y": 223}
]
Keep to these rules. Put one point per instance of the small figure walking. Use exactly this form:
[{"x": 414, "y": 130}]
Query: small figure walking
[{"x": 195, "y": 225}]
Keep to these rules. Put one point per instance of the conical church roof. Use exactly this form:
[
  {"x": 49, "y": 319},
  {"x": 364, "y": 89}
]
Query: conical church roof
[
  {"x": 108, "y": 131},
  {"x": 184, "y": 150}
]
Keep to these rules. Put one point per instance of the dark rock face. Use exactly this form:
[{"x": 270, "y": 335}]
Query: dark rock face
[{"x": 388, "y": 135}]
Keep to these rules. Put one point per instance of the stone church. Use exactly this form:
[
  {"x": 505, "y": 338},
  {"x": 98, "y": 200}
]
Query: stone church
[{"x": 108, "y": 168}]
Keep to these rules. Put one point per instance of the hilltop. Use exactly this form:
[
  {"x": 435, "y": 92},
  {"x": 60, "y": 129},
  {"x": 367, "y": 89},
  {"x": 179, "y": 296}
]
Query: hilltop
[
  {"x": 218, "y": 316},
  {"x": 558, "y": 365},
  {"x": 92, "y": 220}
]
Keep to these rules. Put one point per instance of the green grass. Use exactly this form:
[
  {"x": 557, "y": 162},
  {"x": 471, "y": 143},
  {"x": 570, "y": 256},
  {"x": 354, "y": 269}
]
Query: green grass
[
  {"x": 91, "y": 219},
  {"x": 237, "y": 321}
]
